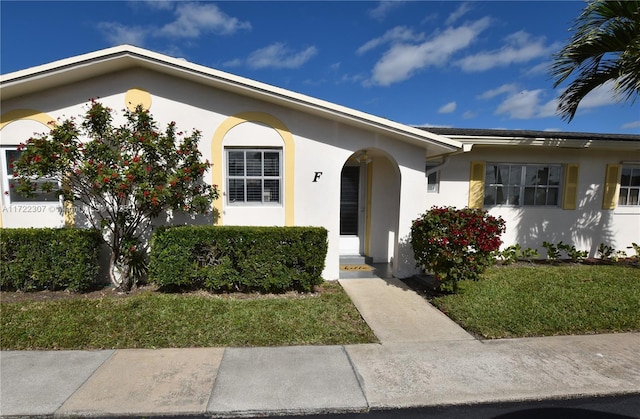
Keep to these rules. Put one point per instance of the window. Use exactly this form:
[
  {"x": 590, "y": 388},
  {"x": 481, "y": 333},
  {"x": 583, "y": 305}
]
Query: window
[
  {"x": 254, "y": 176},
  {"x": 8, "y": 157},
  {"x": 629, "y": 186},
  {"x": 433, "y": 178},
  {"x": 522, "y": 184}
]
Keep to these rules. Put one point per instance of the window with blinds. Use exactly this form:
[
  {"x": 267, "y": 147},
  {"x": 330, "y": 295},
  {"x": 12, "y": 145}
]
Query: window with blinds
[
  {"x": 518, "y": 184},
  {"x": 629, "y": 186},
  {"x": 254, "y": 176}
]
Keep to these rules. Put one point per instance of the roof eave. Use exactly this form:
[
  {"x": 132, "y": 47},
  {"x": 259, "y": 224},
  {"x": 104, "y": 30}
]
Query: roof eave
[
  {"x": 552, "y": 142},
  {"x": 125, "y": 56}
]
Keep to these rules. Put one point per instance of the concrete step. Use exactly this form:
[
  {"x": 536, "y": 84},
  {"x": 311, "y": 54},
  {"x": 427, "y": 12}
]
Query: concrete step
[{"x": 355, "y": 260}]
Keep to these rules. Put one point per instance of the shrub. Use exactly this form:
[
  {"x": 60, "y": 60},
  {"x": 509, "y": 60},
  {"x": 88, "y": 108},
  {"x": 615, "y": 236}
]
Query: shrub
[
  {"x": 515, "y": 253},
  {"x": 605, "y": 251},
  {"x": 572, "y": 253},
  {"x": 53, "y": 259},
  {"x": 223, "y": 259},
  {"x": 553, "y": 253},
  {"x": 455, "y": 244}
]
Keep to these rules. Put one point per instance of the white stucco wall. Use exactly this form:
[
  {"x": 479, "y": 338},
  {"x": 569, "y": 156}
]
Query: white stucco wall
[
  {"x": 586, "y": 227},
  {"x": 321, "y": 146},
  {"x": 320, "y": 150}
]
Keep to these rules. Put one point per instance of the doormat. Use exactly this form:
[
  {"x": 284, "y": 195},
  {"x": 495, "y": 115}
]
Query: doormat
[{"x": 356, "y": 268}]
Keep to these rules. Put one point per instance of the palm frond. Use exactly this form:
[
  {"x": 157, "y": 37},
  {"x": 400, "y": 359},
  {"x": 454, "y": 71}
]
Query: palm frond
[{"x": 605, "y": 46}]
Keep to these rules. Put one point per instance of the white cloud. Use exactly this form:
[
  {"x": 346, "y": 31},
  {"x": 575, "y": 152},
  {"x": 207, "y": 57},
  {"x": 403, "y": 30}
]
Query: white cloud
[
  {"x": 448, "y": 108},
  {"x": 194, "y": 19},
  {"x": 428, "y": 125},
  {"x": 237, "y": 62},
  {"x": 191, "y": 21},
  {"x": 600, "y": 96},
  {"x": 395, "y": 35},
  {"x": 383, "y": 8},
  {"x": 527, "y": 104},
  {"x": 118, "y": 34},
  {"x": 550, "y": 108},
  {"x": 158, "y": 4},
  {"x": 402, "y": 60},
  {"x": 279, "y": 55},
  {"x": 469, "y": 115},
  {"x": 505, "y": 88},
  {"x": 632, "y": 125},
  {"x": 522, "y": 105},
  {"x": 458, "y": 13},
  {"x": 519, "y": 47},
  {"x": 539, "y": 69},
  {"x": 351, "y": 78}
]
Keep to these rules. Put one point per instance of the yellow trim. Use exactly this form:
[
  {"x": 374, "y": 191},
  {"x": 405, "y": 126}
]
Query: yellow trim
[
  {"x": 570, "y": 198},
  {"x": 67, "y": 206},
  {"x": 30, "y": 114},
  {"x": 217, "y": 151},
  {"x": 611, "y": 187},
  {"x": 137, "y": 96},
  {"x": 367, "y": 217},
  {"x": 476, "y": 184}
]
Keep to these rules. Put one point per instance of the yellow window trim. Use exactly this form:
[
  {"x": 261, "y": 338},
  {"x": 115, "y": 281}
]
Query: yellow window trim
[
  {"x": 611, "y": 187},
  {"x": 30, "y": 114},
  {"x": 476, "y": 184},
  {"x": 367, "y": 234},
  {"x": 289, "y": 158}
]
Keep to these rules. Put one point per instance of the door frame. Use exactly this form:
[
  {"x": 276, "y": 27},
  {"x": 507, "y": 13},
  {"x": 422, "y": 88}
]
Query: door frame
[{"x": 355, "y": 244}]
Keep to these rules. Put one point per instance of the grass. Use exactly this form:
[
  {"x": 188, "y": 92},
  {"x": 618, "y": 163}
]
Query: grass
[
  {"x": 156, "y": 320},
  {"x": 547, "y": 300}
]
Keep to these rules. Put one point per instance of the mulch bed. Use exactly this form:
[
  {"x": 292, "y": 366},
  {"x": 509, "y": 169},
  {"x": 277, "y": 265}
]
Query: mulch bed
[{"x": 108, "y": 291}]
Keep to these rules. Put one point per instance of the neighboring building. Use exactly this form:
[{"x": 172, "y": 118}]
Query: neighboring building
[{"x": 281, "y": 158}]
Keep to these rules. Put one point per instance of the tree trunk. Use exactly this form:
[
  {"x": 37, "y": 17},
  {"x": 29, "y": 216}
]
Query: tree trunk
[{"x": 120, "y": 273}]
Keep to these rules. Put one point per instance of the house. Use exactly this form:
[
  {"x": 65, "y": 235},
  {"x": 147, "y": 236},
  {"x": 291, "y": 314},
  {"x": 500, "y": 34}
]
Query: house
[{"x": 362, "y": 177}]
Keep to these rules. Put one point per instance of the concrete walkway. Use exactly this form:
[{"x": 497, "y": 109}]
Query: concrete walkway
[
  {"x": 397, "y": 314},
  {"x": 424, "y": 359}
]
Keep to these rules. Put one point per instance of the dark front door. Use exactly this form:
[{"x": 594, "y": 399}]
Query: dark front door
[{"x": 349, "y": 189}]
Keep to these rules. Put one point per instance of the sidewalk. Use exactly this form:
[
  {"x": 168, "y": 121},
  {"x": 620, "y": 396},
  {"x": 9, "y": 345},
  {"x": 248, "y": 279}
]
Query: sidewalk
[{"x": 424, "y": 359}]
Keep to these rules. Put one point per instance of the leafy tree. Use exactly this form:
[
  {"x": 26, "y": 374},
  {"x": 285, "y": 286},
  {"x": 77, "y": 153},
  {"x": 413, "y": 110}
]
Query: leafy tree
[
  {"x": 605, "y": 46},
  {"x": 121, "y": 177}
]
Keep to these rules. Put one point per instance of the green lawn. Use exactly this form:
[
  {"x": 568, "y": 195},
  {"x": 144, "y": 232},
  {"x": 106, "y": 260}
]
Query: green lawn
[
  {"x": 156, "y": 320},
  {"x": 519, "y": 301}
]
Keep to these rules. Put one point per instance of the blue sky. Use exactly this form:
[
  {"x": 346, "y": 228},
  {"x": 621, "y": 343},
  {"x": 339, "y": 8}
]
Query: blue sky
[{"x": 428, "y": 63}]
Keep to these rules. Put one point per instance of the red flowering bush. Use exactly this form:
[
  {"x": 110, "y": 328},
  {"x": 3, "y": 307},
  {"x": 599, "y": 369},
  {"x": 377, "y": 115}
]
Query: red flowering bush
[
  {"x": 121, "y": 177},
  {"x": 455, "y": 244}
]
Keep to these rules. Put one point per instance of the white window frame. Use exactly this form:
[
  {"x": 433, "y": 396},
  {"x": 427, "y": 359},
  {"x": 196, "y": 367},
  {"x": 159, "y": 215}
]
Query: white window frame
[
  {"x": 262, "y": 178},
  {"x": 7, "y": 177},
  {"x": 433, "y": 178},
  {"x": 522, "y": 186},
  {"x": 629, "y": 194}
]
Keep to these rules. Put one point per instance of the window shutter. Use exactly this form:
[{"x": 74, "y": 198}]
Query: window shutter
[
  {"x": 476, "y": 184},
  {"x": 570, "y": 198},
  {"x": 611, "y": 187}
]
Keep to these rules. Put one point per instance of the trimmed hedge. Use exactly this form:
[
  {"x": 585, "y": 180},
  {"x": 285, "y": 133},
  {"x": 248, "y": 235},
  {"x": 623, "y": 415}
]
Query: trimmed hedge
[
  {"x": 227, "y": 259},
  {"x": 34, "y": 259}
]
